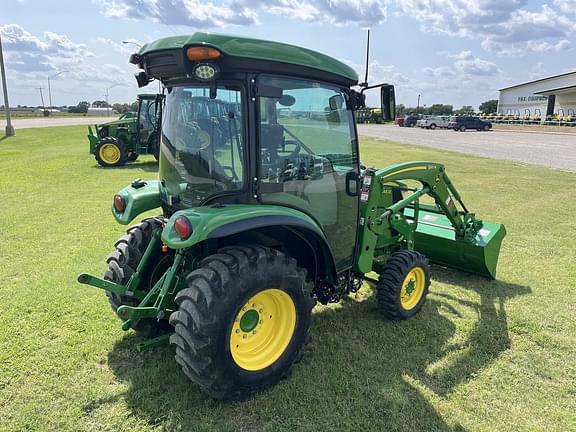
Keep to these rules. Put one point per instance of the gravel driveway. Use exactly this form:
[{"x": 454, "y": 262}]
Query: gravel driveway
[{"x": 555, "y": 150}]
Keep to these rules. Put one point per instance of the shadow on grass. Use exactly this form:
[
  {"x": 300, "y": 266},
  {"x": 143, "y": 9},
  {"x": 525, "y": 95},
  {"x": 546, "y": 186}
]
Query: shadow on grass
[
  {"x": 4, "y": 137},
  {"x": 359, "y": 373},
  {"x": 148, "y": 166}
]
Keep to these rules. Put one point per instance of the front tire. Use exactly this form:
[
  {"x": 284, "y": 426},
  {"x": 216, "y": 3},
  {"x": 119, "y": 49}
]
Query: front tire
[
  {"x": 403, "y": 286},
  {"x": 462, "y": 128},
  {"x": 433, "y": 126},
  {"x": 242, "y": 321}
]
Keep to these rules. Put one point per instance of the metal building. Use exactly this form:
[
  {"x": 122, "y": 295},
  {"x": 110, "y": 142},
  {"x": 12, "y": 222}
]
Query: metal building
[{"x": 555, "y": 95}]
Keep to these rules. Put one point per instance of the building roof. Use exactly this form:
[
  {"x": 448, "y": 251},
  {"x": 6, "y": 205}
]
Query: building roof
[
  {"x": 538, "y": 80},
  {"x": 559, "y": 90},
  {"x": 237, "y": 46}
]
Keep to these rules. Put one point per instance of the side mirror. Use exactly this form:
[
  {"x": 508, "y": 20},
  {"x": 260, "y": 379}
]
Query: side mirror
[
  {"x": 142, "y": 79},
  {"x": 388, "y": 102},
  {"x": 357, "y": 99}
]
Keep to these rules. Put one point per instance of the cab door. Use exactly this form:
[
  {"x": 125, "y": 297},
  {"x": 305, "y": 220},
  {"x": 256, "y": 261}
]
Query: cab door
[{"x": 309, "y": 156}]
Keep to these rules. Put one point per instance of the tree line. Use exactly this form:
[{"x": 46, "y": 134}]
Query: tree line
[
  {"x": 120, "y": 108},
  {"x": 488, "y": 107}
]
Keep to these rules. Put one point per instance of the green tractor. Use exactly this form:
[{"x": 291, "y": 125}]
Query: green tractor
[
  {"x": 133, "y": 134},
  {"x": 262, "y": 215}
]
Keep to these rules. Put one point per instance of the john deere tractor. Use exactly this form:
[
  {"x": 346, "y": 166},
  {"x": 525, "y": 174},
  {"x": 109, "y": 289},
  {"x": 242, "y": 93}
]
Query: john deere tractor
[
  {"x": 120, "y": 141},
  {"x": 261, "y": 215}
]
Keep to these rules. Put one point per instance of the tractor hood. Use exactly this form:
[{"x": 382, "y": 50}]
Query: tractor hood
[{"x": 119, "y": 122}]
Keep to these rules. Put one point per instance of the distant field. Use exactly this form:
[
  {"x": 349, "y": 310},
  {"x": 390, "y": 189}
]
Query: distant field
[{"x": 481, "y": 356}]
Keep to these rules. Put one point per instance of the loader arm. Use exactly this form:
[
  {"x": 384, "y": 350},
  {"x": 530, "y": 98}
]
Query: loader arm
[{"x": 446, "y": 232}]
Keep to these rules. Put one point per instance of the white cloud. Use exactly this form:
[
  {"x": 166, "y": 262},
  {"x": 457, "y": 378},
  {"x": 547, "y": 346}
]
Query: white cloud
[
  {"x": 193, "y": 13},
  {"x": 504, "y": 26},
  {"x": 211, "y": 14},
  {"x": 568, "y": 6},
  {"x": 122, "y": 48},
  {"x": 362, "y": 12}
]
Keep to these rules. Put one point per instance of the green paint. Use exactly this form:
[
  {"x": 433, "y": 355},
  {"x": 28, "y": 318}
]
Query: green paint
[
  {"x": 138, "y": 200},
  {"x": 237, "y": 46},
  {"x": 137, "y": 131},
  {"x": 249, "y": 320},
  {"x": 205, "y": 220},
  {"x": 446, "y": 235}
]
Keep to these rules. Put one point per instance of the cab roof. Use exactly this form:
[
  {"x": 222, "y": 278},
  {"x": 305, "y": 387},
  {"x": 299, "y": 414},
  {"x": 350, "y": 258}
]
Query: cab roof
[{"x": 256, "y": 49}]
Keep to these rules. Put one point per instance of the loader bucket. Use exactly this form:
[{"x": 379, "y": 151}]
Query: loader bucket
[{"x": 436, "y": 239}]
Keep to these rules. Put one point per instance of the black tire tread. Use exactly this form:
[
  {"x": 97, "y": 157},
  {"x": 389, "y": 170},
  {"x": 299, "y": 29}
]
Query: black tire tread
[
  {"x": 390, "y": 284},
  {"x": 210, "y": 287}
]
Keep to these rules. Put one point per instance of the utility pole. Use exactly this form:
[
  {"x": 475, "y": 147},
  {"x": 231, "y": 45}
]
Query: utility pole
[
  {"x": 106, "y": 95},
  {"x": 418, "y": 106},
  {"x": 49, "y": 90},
  {"x": 9, "y": 127},
  {"x": 42, "y": 98}
]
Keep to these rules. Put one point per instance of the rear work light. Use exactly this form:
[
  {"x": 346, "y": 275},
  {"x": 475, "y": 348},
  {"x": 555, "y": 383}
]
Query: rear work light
[
  {"x": 202, "y": 53},
  {"x": 119, "y": 203},
  {"x": 183, "y": 227}
]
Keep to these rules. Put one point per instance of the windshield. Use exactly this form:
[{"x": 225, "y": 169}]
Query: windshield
[{"x": 202, "y": 148}]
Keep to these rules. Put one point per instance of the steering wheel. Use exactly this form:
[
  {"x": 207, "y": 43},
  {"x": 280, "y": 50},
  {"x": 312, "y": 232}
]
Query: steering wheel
[{"x": 287, "y": 154}]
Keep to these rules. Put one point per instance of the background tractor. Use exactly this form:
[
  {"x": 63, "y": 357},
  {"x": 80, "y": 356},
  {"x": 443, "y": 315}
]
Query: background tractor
[
  {"x": 263, "y": 214},
  {"x": 117, "y": 142}
]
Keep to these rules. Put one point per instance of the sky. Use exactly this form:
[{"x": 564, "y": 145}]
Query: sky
[{"x": 457, "y": 52}]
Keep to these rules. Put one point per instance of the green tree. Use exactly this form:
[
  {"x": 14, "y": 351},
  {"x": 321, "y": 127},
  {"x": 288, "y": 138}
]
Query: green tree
[
  {"x": 489, "y": 106},
  {"x": 100, "y": 104},
  {"x": 466, "y": 109},
  {"x": 81, "y": 108},
  {"x": 440, "y": 109}
]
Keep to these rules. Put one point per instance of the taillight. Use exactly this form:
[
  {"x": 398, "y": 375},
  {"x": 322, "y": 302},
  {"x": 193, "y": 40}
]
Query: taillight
[
  {"x": 119, "y": 203},
  {"x": 183, "y": 227}
]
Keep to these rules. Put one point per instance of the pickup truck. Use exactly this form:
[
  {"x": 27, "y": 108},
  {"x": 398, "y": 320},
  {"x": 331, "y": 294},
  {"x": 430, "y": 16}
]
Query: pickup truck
[{"x": 435, "y": 122}]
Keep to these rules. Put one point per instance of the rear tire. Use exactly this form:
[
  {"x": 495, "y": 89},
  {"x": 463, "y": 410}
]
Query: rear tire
[
  {"x": 226, "y": 338},
  {"x": 433, "y": 126},
  {"x": 111, "y": 152},
  {"x": 121, "y": 265},
  {"x": 403, "y": 286},
  {"x": 462, "y": 128},
  {"x": 486, "y": 128}
]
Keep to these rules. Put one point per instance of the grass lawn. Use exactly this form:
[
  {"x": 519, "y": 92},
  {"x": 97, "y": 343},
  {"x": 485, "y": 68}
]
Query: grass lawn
[{"x": 482, "y": 355}]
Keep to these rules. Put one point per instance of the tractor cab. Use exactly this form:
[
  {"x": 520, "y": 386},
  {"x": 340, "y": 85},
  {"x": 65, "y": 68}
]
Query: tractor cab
[
  {"x": 149, "y": 118},
  {"x": 263, "y": 210}
]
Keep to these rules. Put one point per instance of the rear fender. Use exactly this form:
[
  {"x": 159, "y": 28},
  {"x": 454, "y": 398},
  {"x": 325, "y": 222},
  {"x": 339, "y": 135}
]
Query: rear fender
[
  {"x": 276, "y": 223},
  {"x": 139, "y": 199}
]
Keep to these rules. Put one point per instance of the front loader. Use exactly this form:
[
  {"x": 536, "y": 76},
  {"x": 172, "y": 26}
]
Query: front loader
[{"x": 263, "y": 210}]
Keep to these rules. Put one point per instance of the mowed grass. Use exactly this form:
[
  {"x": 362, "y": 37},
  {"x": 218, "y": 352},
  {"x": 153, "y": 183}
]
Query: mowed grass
[{"x": 482, "y": 355}]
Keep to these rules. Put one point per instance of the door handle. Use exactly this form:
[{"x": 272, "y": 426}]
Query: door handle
[{"x": 352, "y": 183}]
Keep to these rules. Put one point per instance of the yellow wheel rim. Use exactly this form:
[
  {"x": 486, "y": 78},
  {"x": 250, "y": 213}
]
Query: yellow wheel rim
[
  {"x": 262, "y": 329},
  {"x": 110, "y": 153},
  {"x": 412, "y": 288}
]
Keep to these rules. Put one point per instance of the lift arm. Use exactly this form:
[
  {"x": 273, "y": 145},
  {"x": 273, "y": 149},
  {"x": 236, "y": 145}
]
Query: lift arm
[{"x": 391, "y": 213}]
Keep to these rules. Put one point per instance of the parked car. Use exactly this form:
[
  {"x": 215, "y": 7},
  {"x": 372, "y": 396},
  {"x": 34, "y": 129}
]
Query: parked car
[
  {"x": 434, "y": 122},
  {"x": 461, "y": 123},
  {"x": 410, "y": 120}
]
